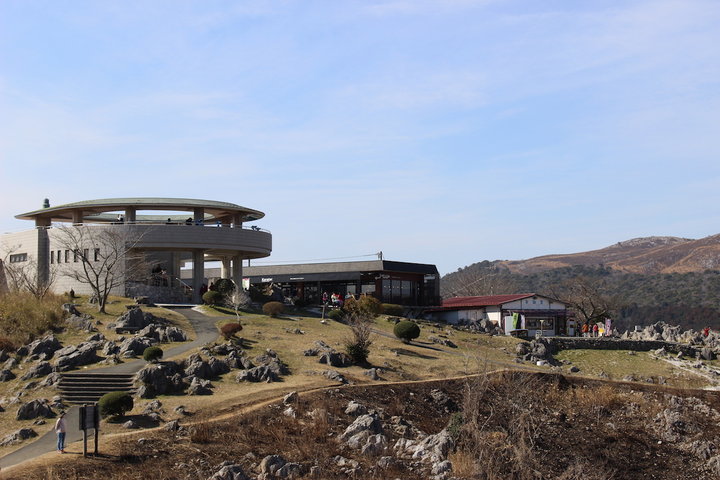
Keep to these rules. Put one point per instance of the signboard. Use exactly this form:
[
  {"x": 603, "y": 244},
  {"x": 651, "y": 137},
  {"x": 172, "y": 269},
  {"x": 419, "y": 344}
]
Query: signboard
[
  {"x": 89, "y": 417},
  {"x": 89, "y": 420}
]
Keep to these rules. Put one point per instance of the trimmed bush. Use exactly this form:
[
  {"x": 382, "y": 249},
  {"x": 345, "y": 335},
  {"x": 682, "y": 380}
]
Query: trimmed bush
[
  {"x": 152, "y": 354},
  {"x": 230, "y": 329},
  {"x": 225, "y": 286},
  {"x": 212, "y": 297},
  {"x": 115, "y": 404},
  {"x": 392, "y": 309},
  {"x": 273, "y": 309},
  {"x": 365, "y": 307},
  {"x": 406, "y": 330},
  {"x": 336, "y": 315}
]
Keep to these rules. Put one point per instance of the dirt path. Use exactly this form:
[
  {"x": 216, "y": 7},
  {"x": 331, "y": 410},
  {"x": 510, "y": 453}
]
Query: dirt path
[{"x": 205, "y": 332}]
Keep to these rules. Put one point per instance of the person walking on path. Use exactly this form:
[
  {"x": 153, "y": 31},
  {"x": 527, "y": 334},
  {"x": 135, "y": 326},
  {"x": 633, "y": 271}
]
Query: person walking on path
[{"x": 60, "y": 430}]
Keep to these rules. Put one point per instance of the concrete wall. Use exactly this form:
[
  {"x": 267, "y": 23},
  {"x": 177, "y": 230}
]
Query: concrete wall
[{"x": 564, "y": 343}]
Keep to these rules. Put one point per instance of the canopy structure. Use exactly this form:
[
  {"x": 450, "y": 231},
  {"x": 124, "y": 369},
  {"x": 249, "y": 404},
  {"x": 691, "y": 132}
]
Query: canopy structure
[{"x": 96, "y": 211}]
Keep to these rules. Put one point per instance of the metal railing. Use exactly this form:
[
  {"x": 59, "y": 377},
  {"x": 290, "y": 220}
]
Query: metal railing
[{"x": 171, "y": 224}]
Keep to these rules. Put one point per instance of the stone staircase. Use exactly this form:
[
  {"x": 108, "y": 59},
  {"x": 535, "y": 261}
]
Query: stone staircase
[{"x": 79, "y": 388}]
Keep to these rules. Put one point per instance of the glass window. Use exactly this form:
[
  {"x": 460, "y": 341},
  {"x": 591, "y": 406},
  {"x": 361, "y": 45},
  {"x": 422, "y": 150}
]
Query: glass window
[
  {"x": 67, "y": 256},
  {"x": 85, "y": 255},
  {"x": 406, "y": 290},
  {"x": 18, "y": 257},
  {"x": 97, "y": 254}
]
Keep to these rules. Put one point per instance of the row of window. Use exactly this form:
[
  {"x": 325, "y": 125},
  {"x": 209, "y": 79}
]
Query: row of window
[
  {"x": 57, "y": 256},
  {"x": 18, "y": 257}
]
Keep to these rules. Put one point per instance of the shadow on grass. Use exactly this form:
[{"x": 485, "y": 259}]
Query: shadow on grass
[{"x": 410, "y": 353}]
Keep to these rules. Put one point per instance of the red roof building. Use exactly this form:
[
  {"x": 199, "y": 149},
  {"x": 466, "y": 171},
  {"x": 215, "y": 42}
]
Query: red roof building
[{"x": 523, "y": 311}]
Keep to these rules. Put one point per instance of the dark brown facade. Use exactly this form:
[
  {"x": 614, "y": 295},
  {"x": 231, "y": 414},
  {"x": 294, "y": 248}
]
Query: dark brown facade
[{"x": 402, "y": 283}]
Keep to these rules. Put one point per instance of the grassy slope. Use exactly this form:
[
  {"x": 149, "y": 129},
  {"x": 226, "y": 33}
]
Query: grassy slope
[{"x": 419, "y": 360}]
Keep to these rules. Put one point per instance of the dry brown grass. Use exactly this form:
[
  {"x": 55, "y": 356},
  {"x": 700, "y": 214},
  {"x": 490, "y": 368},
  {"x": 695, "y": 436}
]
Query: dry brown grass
[{"x": 23, "y": 316}]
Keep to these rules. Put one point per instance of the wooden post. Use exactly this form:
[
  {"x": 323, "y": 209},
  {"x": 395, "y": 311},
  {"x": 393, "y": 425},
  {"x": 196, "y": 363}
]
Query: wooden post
[
  {"x": 96, "y": 415},
  {"x": 83, "y": 411}
]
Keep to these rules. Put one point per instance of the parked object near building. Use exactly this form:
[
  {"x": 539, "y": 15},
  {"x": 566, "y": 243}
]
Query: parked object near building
[
  {"x": 160, "y": 243},
  {"x": 534, "y": 314}
]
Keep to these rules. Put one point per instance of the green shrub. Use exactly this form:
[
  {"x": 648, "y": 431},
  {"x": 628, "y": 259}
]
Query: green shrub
[
  {"x": 358, "y": 352},
  {"x": 392, "y": 309},
  {"x": 273, "y": 309},
  {"x": 152, "y": 354},
  {"x": 230, "y": 329},
  {"x": 336, "y": 314},
  {"x": 406, "y": 330},
  {"x": 115, "y": 404},
  {"x": 365, "y": 307},
  {"x": 212, "y": 297},
  {"x": 224, "y": 286}
]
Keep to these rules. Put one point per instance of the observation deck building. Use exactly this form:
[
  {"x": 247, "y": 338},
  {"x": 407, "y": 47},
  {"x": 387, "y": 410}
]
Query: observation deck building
[{"x": 153, "y": 246}]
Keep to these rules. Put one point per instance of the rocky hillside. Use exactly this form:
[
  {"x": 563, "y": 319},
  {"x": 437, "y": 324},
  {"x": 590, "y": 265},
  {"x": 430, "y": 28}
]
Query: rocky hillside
[
  {"x": 506, "y": 425},
  {"x": 649, "y": 255}
]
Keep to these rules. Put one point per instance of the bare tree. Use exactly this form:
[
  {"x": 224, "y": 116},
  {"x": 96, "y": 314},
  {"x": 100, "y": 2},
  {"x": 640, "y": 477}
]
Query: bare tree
[
  {"x": 238, "y": 299},
  {"x": 588, "y": 297},
  {"x": 23, "y": 276},
  {"x": 107, "y": 258},
  {"x": 358, "y": 346}
]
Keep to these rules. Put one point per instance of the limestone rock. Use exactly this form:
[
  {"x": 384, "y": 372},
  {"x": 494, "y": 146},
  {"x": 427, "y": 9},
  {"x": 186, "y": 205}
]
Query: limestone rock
[
  {"x": 229, "y": 472},
  {"x": 18, "y": 436},
  {"x": 39, "y": 370},
  {"x": 35, "y": 409},
  {"x": 74, "y": 356},
  {"x": 6, "y": 375}
]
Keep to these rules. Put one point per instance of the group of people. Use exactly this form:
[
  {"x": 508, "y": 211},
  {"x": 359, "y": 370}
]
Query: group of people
[
  {"x": 336, "y": 299},
  {"x": 597, "y": 329}
]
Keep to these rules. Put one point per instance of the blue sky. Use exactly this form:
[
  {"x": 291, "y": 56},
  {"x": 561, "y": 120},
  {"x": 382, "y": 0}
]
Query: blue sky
[{"x": 442, "y": 132}]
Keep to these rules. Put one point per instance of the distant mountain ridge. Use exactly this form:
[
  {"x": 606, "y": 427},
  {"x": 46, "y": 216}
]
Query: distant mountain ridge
[
  {"x": 646, "y": 255},
  {"x": 669, "y": 279}
]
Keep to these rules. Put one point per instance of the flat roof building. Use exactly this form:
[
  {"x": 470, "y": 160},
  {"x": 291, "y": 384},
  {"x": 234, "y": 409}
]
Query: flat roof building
[
  {"x": 189, "y": 230},
  {"x": 402, "y": 283}
]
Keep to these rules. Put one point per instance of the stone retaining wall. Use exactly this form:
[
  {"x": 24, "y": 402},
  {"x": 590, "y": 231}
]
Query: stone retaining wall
[{"x": 562, "y": 343}]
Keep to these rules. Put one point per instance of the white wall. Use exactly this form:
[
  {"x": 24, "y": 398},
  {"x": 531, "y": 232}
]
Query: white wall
[{"x": 534, "y": 303}]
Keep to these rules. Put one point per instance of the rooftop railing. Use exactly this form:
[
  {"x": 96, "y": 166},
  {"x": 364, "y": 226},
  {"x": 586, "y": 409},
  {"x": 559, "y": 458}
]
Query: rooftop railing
[{"x": 167, "y": 224}]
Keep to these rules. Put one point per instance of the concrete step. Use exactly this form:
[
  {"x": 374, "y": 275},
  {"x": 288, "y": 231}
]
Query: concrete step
[{"x": 78, "y": 388}]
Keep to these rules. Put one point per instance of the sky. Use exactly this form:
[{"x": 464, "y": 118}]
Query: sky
[{"x": 444, "y": 132}]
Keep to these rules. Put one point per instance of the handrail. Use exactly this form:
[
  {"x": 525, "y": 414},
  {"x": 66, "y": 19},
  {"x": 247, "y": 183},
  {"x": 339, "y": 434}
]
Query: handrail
[{"x": 172, "y": 224}]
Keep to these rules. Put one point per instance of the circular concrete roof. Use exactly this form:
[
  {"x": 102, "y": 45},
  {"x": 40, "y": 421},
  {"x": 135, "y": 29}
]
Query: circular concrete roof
[{"x": 93, "y": 209}]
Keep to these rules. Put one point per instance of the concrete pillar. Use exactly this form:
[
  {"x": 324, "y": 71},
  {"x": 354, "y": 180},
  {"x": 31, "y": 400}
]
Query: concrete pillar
[
  {"x": 199, "y": 216},
  {"x": 130, "y": 214},
  {"x": 198, "y": 274},
  {"x": 225, "y": 269},
  {"x": 77, "y": 216},
  {"x": 237, "y": 271},
  {"x": 237, "y": 220},
  {"x": 174, "y": 267},
  {"x": 43, "y": 256}
]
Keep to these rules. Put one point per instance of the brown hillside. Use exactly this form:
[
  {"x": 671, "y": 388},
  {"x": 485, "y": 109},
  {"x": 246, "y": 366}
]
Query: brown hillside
[{"x": 649, "y": 255}]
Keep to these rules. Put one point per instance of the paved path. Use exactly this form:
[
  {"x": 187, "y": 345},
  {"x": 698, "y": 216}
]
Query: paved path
[{"x": 205, "y": 332}]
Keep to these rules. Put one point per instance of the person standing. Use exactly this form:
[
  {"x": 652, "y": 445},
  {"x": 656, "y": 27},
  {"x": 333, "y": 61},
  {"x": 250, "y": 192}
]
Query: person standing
[{"x": 60, "y": 429}]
